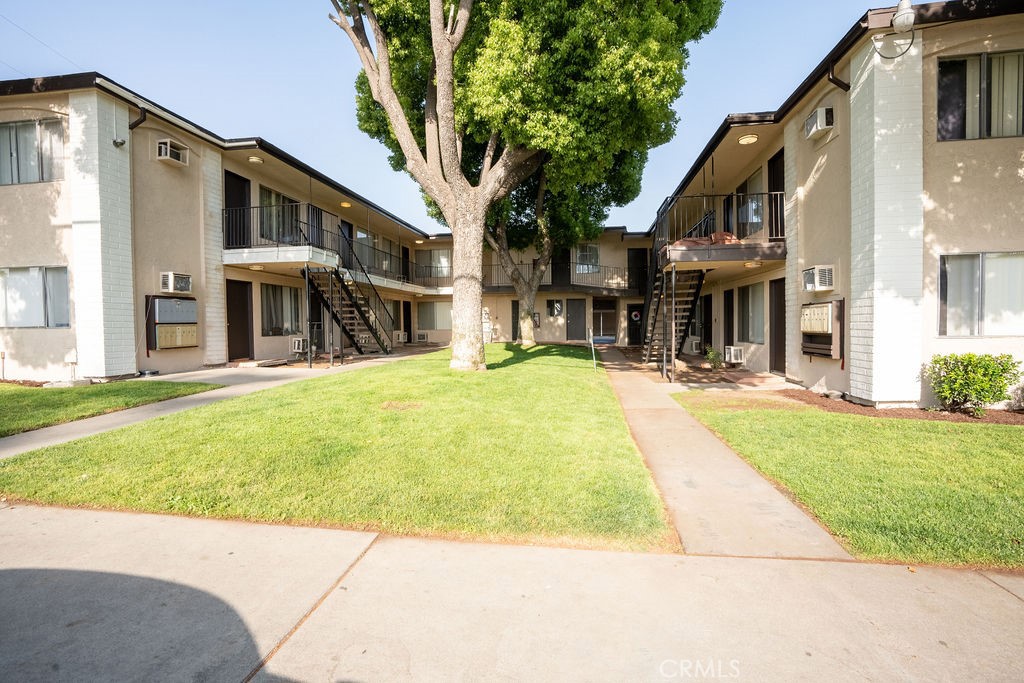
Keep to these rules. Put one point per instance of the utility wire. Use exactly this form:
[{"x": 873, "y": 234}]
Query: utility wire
[
  {"x": 48, "y": 47},
  {"x": 14, "y": 69}
]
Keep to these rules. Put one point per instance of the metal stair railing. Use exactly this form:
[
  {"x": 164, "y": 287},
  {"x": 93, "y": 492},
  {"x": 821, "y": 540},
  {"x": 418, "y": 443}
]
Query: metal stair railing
[
  {"x": 334, "y": 311},
  {"x": 378, "y": 319}
]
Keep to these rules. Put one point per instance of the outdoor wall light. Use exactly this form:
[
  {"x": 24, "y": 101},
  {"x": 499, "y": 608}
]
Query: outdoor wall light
[
  {"x": 419, "y": 241},
  {"x": 118, "y": 142},
  {"x": 748, "y": 139},
  {"x": 903, "y": 20},
  {"x": 255, "y": 159},
  {"x": 345, "y": 205},
  {"x": 256, "y": 267},
  {"x": 752, "y": 264}
]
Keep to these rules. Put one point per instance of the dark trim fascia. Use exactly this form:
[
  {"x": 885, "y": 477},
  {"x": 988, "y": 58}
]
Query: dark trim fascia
[{"x": 30, "y": 86}]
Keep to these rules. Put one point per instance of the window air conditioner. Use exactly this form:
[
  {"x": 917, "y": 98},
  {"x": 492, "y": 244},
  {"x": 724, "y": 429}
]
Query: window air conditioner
[
  {"x": 696, "y": 345},
  {"x": 818, "y": 123},
  {"x": 300, "y": 345},
  {"x": 421, "y": 336},
  {"x": 175, "y": 283},
  {"x": 819, "y": 279},
  {"x": 734, "y": 354},
  {"x": 173, "y": 152}
]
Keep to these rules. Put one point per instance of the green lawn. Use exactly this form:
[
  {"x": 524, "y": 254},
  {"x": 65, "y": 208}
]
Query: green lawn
[
  {"x": 536, "y": 448},
  {"x": 899, "y": 490},
  {"x": 25, "y": 408}
]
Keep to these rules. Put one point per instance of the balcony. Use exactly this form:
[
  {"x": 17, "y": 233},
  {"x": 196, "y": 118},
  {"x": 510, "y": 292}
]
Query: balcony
[
  {"x": 706, "y": 229},
  {"x": 286, "y": 233},
  {"x": 568, "y": 275}
]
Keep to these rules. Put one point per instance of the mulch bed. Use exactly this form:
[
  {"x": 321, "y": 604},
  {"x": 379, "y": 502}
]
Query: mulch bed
[
  {"x": 21, "y": 382},
  {"x": 1006, "y": 417}
]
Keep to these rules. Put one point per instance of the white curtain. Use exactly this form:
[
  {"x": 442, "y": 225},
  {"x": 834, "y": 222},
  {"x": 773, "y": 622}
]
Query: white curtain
[
  {"x": 1004, "y": 294},
  {"x": 25, "y": 299},
  {"x": 962, "y": 295},
  {"x": 57, "y": 306},
  {"x": 1007, "y": 96}
]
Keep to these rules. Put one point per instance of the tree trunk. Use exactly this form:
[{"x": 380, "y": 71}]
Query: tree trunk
[
  {"x": 527, "y": 336},
  {"x": 467, "y": 291}
]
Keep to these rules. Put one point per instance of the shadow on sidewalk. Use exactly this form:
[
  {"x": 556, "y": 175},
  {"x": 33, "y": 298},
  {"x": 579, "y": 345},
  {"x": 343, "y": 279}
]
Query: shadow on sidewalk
[{"x": 60, "y": 625}]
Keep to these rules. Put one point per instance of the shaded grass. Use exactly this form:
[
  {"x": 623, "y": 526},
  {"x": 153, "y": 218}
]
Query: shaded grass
[
  {"x": 892, "y": 489},
  {"x": 25, "y": 408},
  {"x": 535, "y": 448}
]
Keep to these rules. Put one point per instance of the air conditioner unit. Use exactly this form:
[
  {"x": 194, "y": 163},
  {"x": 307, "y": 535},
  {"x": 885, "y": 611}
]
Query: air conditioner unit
[
  {"x": 421, "y": 336},
  {"x": 696, "y": 346},
  {"x": 300, "y": 345},
  {"x": 819, "y": 279},
  {"x": 400, "y": 336},
  {"x": 818, "y": 123},
  {"x": 168, "y": 150},
  {"x": 175, "y": 283},
  {"x": 734, "y": 354}
]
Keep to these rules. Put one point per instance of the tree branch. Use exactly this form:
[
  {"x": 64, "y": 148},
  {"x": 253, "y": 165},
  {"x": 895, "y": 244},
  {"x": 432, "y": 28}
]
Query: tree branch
[
  {"x": 492, "y": 144},
  {"x": 444, "y": 57},
  {"x": 461, "y": 24}
]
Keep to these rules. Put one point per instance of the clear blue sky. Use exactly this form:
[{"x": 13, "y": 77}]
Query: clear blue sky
[{"x": 282, "y": 71}]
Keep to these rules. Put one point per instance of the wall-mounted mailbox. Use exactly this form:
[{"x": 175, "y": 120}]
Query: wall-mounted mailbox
[
  {"x": 171, "y": 323},
  {"x": 821, "y": 329}
]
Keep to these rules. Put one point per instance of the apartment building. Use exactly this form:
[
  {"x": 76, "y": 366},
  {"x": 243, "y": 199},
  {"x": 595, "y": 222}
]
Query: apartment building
[
  {"x": 873, "y": 220},
  {"x": 132, "y": 239}
]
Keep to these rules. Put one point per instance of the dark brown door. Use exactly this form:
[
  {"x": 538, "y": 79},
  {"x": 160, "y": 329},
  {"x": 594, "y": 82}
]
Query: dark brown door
[
  {"x": 575, "y": 319},
  {"x": 634, "y": 324},
  {"x": 560, "y": 274},
  {"x": 636, "y": 273},
  {"x": 515, "y": 320},
  {"x": 237, "y": 215},
  {"x": 777, "y": 196},
  {"x": 239, "y": 304},
  {"x": 705, "y": 321},
  {"x": 407, "y": 320},
  {"x": 777, "y": 326},
  {"x": 728, "y": 314}
]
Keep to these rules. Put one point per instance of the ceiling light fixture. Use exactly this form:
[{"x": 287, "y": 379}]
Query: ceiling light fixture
[
  {"x": 748, "y": 139},
  {"x": 257, "y": 267},
  {"x": 345, "y": 205},
  {"x": 419, "y": 241},
  {"x": 255, "y": 159},
  {"x": 752, "y": 264}
]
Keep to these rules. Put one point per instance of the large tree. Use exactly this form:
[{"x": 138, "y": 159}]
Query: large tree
[{"x": 569, "y": 84}]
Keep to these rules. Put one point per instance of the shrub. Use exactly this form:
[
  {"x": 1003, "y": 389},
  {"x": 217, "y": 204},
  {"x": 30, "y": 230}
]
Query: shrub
[
  {"x": 713, "y": 357},
  {"x": 967, "y": 382}
]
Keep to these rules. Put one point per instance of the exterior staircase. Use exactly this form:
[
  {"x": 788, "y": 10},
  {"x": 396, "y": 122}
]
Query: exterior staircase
[{"x": 668, "y": 313}]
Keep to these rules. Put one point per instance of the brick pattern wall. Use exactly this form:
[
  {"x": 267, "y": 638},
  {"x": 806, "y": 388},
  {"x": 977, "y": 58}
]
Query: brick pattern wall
[
  {"x": 887, "y": 185},
  {"x": 214, "y": 332},
  {"x": 101, "y": 264},
  {"x": 792, "y": 136}
]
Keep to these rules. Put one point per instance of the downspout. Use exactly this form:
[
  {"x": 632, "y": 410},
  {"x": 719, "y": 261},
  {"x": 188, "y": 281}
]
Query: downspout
[
  {"x": 143, "y": 114},
  {"x": 835, "y": 80}
]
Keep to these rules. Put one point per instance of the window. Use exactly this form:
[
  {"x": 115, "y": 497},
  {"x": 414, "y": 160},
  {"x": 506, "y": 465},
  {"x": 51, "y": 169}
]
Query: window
[
  {"x": 588, "y": 258},
  {"x": 981, "y": 96},
  {"x": 34, "y": 297},
  {"x": 280, "y": 307},
  {"x": 749, "y": 209},
  {"x": 751, "y": 313},
  {"x": 980, "y": 294},
  {"x": 554, "y": 308},
  {"x": 279, "y": 217},
  {"x": 434, "y": 315},
  {"x": 434, "y": 262},
  {"x": 31, "y": 151}
]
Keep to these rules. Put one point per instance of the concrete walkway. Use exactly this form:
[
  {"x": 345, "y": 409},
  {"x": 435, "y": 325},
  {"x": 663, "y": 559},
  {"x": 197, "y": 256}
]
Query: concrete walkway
[
  {"x": 102, "y": 596},
  {"x": 719, "y": 504},
  {"x": 237, "y": 381}
]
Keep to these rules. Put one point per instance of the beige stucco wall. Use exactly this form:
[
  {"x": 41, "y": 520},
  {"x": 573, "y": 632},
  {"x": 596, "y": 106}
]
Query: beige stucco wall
[
  {"x": 35, "y": 230},
  {"x": 974, "y": 189},
  {"x": 756, "y": 356},
  {"x": 167, "y": 211},
  {"x": 822, "y": 197}
]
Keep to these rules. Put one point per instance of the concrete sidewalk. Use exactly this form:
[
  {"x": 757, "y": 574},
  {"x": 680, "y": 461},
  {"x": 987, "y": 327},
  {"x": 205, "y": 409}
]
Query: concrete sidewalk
[
  {"x": 90, "y": 596},
  {"x": 237, "y": 381},
  {"x": 719, "y": 504}
]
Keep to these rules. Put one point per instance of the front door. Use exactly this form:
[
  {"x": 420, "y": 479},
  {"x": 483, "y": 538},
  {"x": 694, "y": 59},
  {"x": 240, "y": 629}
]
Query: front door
[
  {"x": 636, "y": 273},
  {"x": 406, "y": 269},
  {"x": 239, "y": 304},
  {"x": 237, "y": 217},
  {"x": 706, "y": 320},
  {"x": 728, "y": 313},
  {"x": 777, "y": 196},
  {"x": 407, "y": 320},
  {"x": 635, "y": 324},
  {"x": 515, "y": 320},
  {"x": 575, "y": 319},
  {"x": 560, "y": 274},
  {"x": 777, "y": 326}
]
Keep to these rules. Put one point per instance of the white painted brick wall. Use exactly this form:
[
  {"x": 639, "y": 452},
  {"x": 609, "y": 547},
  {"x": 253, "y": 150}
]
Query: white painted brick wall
[
  {"x": 101, "y": 263},
  {"x": 215, "y": 340},
  {"x": 887, "y": 184}
]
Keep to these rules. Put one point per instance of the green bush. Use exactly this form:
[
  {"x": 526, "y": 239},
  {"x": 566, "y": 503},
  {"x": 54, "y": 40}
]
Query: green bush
[
  {"x": 713, "y": 357},
  {"x": 967, "y": 382}
]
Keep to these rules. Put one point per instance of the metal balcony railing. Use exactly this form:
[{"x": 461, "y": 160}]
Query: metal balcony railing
[
  {"x": 495, "y": 275},
  {"x": 282, "y": 225},
  {"x": 752, "y": 218}
]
